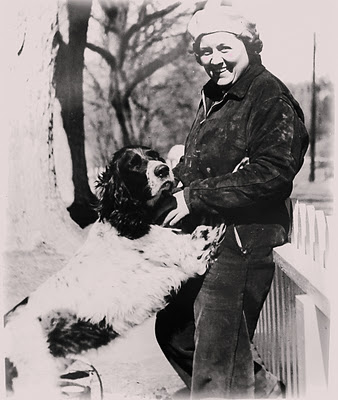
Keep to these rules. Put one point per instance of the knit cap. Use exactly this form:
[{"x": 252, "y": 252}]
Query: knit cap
[{"x": 216, "y": 17}]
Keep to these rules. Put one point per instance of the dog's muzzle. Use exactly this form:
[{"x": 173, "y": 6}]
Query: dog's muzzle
[{"x": 160, "y": 177}]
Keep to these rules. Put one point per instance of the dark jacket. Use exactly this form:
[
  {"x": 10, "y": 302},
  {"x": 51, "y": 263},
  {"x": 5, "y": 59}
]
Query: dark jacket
[{"x": 257, "y": 118}]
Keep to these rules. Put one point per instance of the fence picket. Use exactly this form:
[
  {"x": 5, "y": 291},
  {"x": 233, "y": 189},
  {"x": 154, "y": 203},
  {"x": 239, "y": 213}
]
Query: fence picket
[
  {"x": 320, "y": 238},
  {"x": 301, "y": 270},
  {"x": 302, "y": 227},
  {"x": 295, "y": 225},
  {"x": 330, "y": 243},
  {"x": 310, "y": 231}
]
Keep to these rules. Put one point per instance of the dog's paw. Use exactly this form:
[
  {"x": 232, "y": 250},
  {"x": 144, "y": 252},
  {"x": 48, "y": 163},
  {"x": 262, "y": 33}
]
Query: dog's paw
[
  {"x": 206, "y": 241},
  {"x": 209, "y": 234},
  {"x": 202, "y": 232}
]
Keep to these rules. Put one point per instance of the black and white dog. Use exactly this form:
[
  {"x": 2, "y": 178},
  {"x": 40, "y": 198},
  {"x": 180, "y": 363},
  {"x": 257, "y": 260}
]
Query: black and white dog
[{"x": 123, "y": 274}]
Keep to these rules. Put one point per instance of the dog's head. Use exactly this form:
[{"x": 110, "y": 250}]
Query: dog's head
[{"x": 131, "y": 187}]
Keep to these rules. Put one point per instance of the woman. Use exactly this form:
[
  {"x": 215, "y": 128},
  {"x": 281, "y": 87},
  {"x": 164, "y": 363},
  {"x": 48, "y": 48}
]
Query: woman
[{"x": 244, "y": 149}]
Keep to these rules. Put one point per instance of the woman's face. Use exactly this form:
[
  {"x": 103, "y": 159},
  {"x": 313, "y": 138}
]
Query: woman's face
[{"x": 223, "y": 56}]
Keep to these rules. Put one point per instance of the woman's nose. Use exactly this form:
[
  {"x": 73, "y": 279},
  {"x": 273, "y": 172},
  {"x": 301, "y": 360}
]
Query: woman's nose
[{"x": 216, "y": 58}]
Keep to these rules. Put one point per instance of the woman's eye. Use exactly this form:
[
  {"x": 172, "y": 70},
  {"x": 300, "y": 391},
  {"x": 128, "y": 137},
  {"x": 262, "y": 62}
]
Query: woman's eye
[
  {"x": 205, "y": 52},
  {"x": 224, "y": 49}
]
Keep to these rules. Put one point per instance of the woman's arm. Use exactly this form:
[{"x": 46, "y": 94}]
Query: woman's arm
[{"x": 277, "y": 144}]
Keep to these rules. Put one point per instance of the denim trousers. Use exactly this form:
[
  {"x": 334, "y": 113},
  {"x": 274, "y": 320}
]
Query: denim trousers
[{"x": 206, "y": 331}]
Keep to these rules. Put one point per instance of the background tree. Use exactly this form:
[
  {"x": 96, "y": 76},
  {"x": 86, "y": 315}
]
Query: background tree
[
  {"x": 140, "y": 38},
  {"x": 172, "y": 100},
  {"x": 68, "y": 80}
]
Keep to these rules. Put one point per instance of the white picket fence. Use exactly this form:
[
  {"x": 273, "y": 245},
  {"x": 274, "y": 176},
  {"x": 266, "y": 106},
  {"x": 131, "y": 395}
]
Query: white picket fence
[{"x": 294, "y": 328}]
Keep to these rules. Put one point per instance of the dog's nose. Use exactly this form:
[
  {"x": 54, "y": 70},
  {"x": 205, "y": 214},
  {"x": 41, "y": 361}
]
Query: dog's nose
[{"x": 161, "y": 171}]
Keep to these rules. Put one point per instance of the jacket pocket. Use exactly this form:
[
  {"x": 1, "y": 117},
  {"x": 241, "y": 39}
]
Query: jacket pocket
[{"x": 258, "y": 236}]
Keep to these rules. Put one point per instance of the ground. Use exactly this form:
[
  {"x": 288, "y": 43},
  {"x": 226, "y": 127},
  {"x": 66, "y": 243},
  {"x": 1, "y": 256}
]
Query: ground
[{"x": 133, "y": 367}]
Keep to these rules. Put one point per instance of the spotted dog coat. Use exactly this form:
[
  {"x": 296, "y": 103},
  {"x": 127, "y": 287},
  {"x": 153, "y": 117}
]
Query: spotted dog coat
[{"x": 123, "y": 274}]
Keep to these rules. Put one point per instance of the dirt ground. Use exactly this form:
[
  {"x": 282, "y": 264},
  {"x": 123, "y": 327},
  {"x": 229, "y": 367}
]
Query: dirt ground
[{"x": 134, "y": 367}]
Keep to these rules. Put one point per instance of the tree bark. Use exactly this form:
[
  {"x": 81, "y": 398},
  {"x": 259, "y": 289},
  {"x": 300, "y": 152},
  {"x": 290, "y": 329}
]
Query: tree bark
[
  {"x": 124, "y": 116},
  {"x": 36, "y": 214},
  {"x": 69, "y": 91}
]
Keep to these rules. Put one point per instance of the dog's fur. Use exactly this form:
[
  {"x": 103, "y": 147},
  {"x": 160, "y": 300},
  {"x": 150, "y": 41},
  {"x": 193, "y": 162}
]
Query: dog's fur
[{"x": 124, "y": 273}]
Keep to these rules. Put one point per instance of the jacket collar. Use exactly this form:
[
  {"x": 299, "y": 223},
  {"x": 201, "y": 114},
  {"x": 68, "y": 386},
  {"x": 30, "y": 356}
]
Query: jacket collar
[{"x": 215, "y": 92}]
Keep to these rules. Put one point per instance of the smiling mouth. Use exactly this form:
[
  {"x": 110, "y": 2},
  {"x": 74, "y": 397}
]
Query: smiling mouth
[{"x": 220, "y": 71}]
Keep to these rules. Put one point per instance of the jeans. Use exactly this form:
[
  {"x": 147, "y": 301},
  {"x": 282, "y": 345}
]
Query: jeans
[{"x": 206, "y": 330}]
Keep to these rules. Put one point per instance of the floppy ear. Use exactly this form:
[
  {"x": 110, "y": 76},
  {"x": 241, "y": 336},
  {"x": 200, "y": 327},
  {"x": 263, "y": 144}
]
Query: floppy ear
[
  {"x": 105, "y": 188},
  {"x": 116, "y": 205}
]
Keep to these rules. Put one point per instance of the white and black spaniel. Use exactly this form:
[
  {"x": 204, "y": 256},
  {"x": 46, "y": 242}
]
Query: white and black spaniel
[{"x": 124, "y": 273}]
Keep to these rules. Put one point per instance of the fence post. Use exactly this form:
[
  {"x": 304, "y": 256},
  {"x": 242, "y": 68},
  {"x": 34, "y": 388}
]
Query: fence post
[{"x": 311, "y": 358}]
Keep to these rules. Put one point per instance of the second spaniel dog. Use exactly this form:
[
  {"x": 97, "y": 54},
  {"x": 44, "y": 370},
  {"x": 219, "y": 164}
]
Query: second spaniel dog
[{"x": 123, "y": 274}]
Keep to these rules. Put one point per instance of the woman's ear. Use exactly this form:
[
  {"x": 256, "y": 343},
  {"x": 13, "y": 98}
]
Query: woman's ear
[
  {"x": 195, "y": 49},
  {"x": 197, "y": 58}
]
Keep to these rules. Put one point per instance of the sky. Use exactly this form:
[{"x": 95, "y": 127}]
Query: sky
[{"x": 287, "y": 30}]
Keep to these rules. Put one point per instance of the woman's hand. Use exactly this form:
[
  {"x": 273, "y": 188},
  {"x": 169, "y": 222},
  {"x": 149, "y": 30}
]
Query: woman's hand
[{"x": 179, "y": 212}]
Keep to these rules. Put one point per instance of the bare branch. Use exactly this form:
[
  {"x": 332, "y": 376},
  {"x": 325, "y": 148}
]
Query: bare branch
[
  {"x": 139, "y": 105},
  {"x": 142, "y": 10},
  {"x": 116, "y": 15},
  {"x": 94, "y": 104},
  {"x": 146, "y": 20},
  {"x": 106, "y": 55},
  {"x": 150, "y": 41},
  {"x": 160, "y": 31},
  {"x": 95, "y": 86},
  {"x": 156, "y": 64}
]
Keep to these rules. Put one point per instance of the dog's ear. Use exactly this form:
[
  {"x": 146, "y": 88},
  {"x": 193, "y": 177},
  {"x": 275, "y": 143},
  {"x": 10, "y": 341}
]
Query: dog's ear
[
  {"x": 105, "y": 188},
  {"x": 117, "y": 206},
  {"x": 112, "y": 193},
  {"x": 130, "y": 223}
]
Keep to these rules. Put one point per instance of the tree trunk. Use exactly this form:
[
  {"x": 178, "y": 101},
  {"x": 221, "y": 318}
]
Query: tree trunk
[
  {"x": 124, "y": 117},
  {"x": 36, "y": 213},
  {"x": 69, "y": 90}
]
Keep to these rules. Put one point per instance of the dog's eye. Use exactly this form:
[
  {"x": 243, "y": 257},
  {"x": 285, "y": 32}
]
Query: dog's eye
[{"x": 155, "y": 156}]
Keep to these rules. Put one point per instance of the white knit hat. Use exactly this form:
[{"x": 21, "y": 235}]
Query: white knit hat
[{"x": 220, "y": 18}]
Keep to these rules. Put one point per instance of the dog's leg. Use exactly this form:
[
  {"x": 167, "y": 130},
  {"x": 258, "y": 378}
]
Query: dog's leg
[
  {"x": 170, "y": 248},
  {"x": 26, "y": 347},
  {"x": 202, "y": 248}
]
